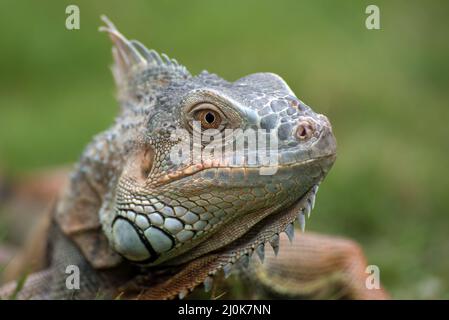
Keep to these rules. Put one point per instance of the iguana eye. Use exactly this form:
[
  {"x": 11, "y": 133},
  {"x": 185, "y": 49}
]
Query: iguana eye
[
  {"x": 209, "y": 119},
  {"x": 209, "y": 116}
]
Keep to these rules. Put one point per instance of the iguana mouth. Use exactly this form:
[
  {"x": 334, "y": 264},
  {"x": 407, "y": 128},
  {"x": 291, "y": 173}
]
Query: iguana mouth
[{"x": 214, "y": 165}]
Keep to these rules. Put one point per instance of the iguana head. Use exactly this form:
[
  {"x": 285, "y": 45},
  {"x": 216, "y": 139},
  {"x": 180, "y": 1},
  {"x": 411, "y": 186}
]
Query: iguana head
[{"x": 207, "y": 161}]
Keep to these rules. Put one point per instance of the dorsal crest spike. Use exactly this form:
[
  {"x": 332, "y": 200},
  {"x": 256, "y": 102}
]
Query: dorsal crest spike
[
  {"x": 128, "y": 52},
  {"x": 150, "y": 56},
  {"x": 132, "y": 60}
]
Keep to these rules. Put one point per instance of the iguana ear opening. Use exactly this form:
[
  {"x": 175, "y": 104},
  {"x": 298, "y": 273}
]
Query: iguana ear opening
[{"x": 137, "y": 70}]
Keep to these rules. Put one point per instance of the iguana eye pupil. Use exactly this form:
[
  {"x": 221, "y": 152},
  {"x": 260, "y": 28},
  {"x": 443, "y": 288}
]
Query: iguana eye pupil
[{"x": 209, "y": 119}]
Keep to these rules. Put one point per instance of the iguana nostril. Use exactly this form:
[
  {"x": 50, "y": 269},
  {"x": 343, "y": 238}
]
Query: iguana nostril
[{"x": 305, "y": 130}]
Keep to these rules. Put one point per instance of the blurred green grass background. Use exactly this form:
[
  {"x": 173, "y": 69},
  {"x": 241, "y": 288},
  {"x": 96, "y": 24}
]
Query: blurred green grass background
[{"x": 385, "y": 91}]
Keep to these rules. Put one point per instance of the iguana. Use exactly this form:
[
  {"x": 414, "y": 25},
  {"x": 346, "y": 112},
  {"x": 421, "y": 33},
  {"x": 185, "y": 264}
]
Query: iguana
[{"x": 139, "y": 225}]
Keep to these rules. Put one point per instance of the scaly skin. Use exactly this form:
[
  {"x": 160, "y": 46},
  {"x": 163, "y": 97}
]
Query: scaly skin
[{"x": 142, "y": 225}]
